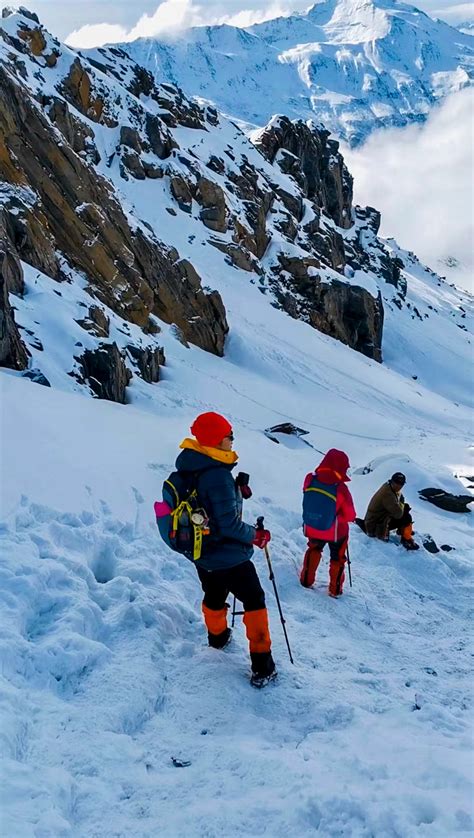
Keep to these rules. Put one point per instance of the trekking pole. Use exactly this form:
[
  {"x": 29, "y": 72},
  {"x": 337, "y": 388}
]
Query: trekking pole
[
  {"x": 233, "y": 613},
  {"x": 272, "y": 580},
  {"x": 349, "y": 565}
]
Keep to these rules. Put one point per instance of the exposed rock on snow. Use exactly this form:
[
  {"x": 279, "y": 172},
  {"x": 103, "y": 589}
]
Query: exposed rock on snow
[
  {"x": 148, "y": 361},
  {"x": 105, "y": 371},
  {"x": 314, "y": 161},
  {"x": 13, "y": 353},
  {"x": 446, "y": 500}
]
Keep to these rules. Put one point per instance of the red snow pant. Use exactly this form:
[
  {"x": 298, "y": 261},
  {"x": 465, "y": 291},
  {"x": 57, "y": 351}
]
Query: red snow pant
[{"x": 312, "y": 558}]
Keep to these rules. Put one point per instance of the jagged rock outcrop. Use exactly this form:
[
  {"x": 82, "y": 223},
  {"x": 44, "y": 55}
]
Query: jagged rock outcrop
[
  {"x": 77, "y": 213},
  {"x": 13, "y": 353},
  {"x": 148, "y": 361},
  {"x": 345, "y": 312},
  {"x": 105, "y": 371},
  {"x": 96, "y": 322},
  {"x": 314, "y": 161}
]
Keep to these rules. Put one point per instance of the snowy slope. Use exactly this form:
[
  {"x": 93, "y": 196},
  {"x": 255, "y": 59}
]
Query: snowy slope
[
  {"x": 354, "y": 65},
  {"x": 106, "y": 675}
]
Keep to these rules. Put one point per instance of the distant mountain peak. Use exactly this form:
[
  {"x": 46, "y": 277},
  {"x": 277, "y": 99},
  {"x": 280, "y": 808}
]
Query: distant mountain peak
[{"x": 355, "y": 65}]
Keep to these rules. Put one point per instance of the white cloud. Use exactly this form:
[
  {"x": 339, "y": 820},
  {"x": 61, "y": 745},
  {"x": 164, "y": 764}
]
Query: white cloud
[
  {"x": 95, "y": 35},
  {"x": 421, "y": 178},
  {"x": 170, "y": 17},
  {"x": 455, "y": 14}
]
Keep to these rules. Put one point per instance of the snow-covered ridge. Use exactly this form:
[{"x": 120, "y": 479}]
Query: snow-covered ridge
[{"x": 355, "y": 65}]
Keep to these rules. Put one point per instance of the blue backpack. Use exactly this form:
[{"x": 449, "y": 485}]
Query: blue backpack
[
  {"x": 319, "y": 503},
  {"x": 181, "y": 520}
]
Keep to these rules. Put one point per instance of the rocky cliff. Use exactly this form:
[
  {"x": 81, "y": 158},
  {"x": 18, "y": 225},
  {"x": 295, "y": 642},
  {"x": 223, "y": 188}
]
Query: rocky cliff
[{"x": 144, "y": 199}]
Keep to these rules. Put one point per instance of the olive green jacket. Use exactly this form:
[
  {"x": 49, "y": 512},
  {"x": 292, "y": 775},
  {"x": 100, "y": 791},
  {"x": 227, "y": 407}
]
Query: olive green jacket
[{"x": 383, "y": 506}]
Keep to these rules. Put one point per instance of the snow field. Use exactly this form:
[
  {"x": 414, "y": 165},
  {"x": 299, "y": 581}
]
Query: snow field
[{"x": 107, "y": 676}]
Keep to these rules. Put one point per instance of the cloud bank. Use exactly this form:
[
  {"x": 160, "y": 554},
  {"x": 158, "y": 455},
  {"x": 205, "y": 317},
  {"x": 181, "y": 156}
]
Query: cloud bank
[
  {"x": 422, "y": 180},
  {"x": 170, "y": 17}
]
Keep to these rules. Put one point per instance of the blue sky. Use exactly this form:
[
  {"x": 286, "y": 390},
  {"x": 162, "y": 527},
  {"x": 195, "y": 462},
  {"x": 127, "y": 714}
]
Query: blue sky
[{"x": 66, "y": 16}]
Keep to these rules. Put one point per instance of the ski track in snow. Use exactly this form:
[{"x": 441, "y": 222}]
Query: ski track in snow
[{"x": 120, "y": 680}]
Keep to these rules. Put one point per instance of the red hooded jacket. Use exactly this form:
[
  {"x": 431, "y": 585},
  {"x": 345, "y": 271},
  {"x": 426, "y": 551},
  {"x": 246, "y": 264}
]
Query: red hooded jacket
[{"x": 333, "y": 469}]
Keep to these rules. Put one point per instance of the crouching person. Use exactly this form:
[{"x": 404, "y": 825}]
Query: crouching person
[
  {"x": 225, "y": 565},
  {"x": 327, "y": 511},
  {"x": 387, "y": 511}
]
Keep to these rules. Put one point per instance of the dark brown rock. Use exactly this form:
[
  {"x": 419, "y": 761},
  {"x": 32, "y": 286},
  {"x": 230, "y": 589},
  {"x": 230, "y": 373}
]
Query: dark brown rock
[
  {"x": 79, "y": 136},
  {"x": 97, "y": 322},
  {"x": 77, "y": 89},
  {"x": 148, "y": 360},
  {"x": 130, "y": 138},
  {"x": 13, "y": 353},
  {"x": 160, "y": 139},
  {"x": 211, "y": 197},
  {"x": 105, "y": 371},
  {"x": 78, "y": 214},
  {"x": 314, "y": 162},
  {"x": 131, "y": 163},
  {"x": 345, "y": 312},
  {"x": 181, "y": 192},
  {"x": 12, "y": 272}
]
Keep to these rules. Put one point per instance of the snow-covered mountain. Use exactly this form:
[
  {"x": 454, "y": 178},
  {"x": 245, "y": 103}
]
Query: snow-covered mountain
[
  {"x": 467, "y": 27},
  {"x": 354, "y": 65},
  {"x": 155, "y": 257}
]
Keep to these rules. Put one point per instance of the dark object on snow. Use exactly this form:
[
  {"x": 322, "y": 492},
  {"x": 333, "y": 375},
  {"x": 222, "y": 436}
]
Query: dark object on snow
[
  {"x": 445, "y": 500},
  {"x": 180, "y": 763},
  {"x": 447, "y": 548},
  {"x": 430, "y": 544},
  {"x": 361, "y": 524},
  {"x": 36, "y": 376},
  {"x": 284, "y": 428}
]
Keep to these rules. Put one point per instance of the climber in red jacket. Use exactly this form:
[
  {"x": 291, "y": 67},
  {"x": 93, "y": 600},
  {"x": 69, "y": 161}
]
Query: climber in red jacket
[{"x": 328, "y": 509}]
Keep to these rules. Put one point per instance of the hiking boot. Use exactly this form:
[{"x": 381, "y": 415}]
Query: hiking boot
[
  {"x": 409, "y": 544},
  {"x": 335, "y": 596},
  {"x": 219, "y": 641},
  {"x": 263, "y": 669},
  {"x": 263, "y": 665},
  {"x": 260, "y": 681}
]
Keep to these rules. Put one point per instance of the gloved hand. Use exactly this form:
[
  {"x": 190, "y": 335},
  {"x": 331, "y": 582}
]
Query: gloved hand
[
  {"x": 407, "y": 507},
  {"x": 246, "y": 492},
  {"x": 262, "y": 537}
]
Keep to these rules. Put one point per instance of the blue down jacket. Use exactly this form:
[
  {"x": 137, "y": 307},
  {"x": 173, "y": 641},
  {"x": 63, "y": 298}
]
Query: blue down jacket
[{"x": 230, "y": 542}]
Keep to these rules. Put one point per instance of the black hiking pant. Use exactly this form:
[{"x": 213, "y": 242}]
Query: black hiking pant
[{"x": 241, "y": 580}]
